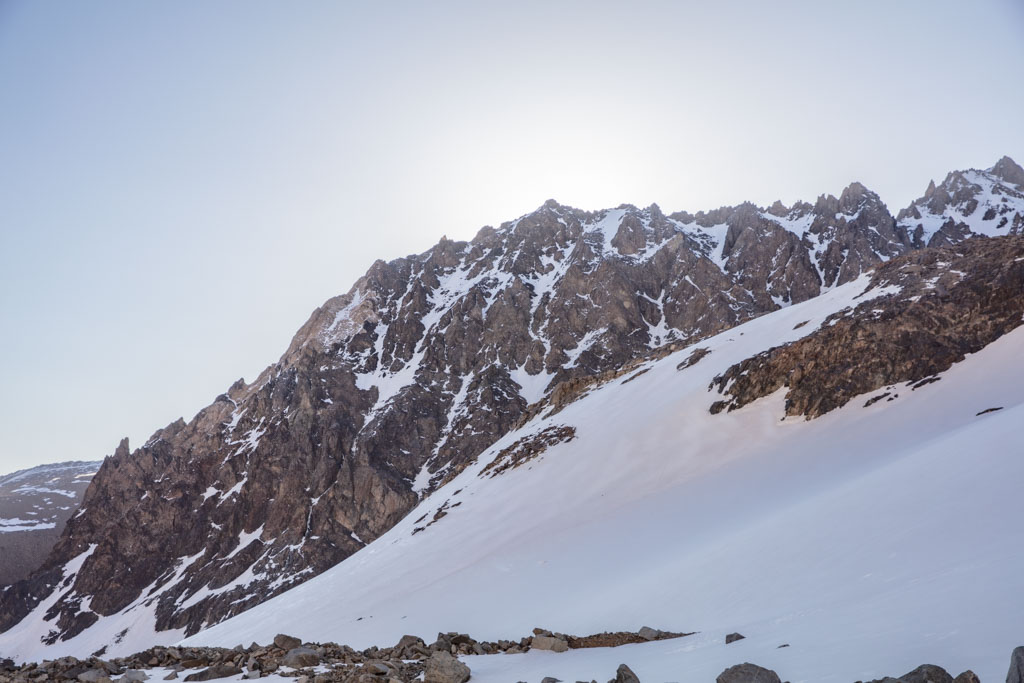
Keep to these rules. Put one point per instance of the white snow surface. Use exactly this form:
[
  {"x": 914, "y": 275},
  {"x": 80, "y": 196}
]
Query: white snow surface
[
  {"x": 18, "y": 524},
  {"x": 871, "y": 540}
]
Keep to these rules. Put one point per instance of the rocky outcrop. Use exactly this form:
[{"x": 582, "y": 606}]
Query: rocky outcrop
[
  {"x": 747, "y": 673},
  {"x": 395, "y": 386},
  {"x": 625, "y": 675},
  {"x": 926, "y": 673},
  {"x": 1016, "y": 671},
  {"x": 35, "y": 504},
  {"x": 943, "y": 304}
]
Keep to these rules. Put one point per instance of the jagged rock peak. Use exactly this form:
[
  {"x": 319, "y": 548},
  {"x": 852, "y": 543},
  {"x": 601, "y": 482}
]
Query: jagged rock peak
[
  {"x": 856, "y": 196},
  {"x": 1009, "y": 170},
  {"x": 968, "y": 202}
]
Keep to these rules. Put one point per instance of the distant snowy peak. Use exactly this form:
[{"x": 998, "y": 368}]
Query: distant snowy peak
[
  {"x": 35, "y": 503},
  {"x": 971, "y": 202}
]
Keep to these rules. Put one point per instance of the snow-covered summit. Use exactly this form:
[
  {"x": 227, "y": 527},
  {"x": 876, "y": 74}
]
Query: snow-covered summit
[{"x": 971, "y": 202}]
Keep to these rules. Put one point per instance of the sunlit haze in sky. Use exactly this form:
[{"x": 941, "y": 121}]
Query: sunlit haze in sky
[{"x": 183, "y": 182}]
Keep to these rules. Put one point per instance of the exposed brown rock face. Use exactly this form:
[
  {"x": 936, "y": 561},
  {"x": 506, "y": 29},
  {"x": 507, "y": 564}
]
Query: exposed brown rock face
[
  {"x": 951, "y": 301},
  {"x": 35, "y": 504},
  {"x": 396, "y": 385}
]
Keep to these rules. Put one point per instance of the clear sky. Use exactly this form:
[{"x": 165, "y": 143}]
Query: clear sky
[{"x": 182, "y": 182}]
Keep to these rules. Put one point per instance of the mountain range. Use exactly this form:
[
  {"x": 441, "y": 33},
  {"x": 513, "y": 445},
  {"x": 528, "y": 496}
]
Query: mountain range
[{"x": 456, "y": 369}]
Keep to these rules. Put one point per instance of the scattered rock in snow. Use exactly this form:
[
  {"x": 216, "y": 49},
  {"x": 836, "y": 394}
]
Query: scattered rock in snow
[
  {"x": 733, "y": 637},
  {"x": 617, "y": 638},
  {"x": 695, "y": 356},
  {"x": 215, "y": 671}
]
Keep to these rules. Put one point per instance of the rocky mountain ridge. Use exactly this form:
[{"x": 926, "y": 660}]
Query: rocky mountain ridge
[{"x": 392, "y": 388}]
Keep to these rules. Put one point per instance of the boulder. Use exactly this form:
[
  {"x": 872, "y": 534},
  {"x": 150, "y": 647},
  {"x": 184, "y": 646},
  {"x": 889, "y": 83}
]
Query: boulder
[
  {"x": 927, "y": 673},
  {"x": 443, "y": 668},
  {"x": 408, "y": 641},
  {"x": 648, "y": 633},
  {"x": 747, "y": 673},
  {"x": 624, "y": 675},
  {"x": 299, "y": 657},
  {"x": 377, "y": 668},
  {"x": 94, "y": 676},
  {"x": 215, "y": 671},
  {"x": 549, "y": 643},
  {"x": 1016, "y": 672},
  {"x": 733, "y": 637},
  {"x": 286, "y": 642},
  {"x": 967, "y": 677},
  {"x": 135, "y": 676}
]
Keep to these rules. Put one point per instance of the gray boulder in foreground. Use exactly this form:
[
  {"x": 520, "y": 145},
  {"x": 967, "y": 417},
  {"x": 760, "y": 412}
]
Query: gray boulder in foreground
[
  {"x": 443, "y": 668},
  {"x": 747, "y": 673},
  {"x": 549, "y": 643},
  {"x": 299, "y": 657}
]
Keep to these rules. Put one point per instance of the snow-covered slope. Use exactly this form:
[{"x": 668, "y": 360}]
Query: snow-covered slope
[{"x": 871, "y": 539}]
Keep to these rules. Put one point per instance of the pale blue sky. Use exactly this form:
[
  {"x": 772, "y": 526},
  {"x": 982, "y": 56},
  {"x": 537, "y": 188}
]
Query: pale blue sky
[{"x": 182, "y": 182}]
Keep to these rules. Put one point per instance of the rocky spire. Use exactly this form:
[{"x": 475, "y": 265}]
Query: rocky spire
[{"x": 1009, "y": 170}]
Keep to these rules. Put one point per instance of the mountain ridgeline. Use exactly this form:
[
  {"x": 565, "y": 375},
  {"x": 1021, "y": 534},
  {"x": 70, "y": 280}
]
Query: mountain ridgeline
[{"x": 391, "y": 389}]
